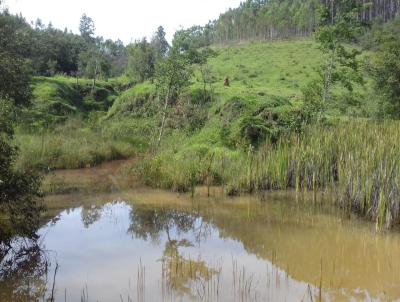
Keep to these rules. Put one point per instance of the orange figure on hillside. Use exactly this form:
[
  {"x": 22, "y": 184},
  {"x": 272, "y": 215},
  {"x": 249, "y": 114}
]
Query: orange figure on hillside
[{"x": 226, "y": 82}]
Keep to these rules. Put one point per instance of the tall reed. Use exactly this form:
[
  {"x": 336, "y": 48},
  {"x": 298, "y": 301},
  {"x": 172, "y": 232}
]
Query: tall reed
[{"x": 357, "y": 160}]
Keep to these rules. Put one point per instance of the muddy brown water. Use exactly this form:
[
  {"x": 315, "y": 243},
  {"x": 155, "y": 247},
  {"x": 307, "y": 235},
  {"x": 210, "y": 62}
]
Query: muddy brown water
[{"x": 115, "y": 240}]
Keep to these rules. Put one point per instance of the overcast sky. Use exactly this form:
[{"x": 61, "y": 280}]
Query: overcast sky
[{"x": 123, "y": 19}]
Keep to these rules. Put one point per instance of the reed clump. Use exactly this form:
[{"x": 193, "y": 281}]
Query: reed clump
[{"x": 357, "y": 160}]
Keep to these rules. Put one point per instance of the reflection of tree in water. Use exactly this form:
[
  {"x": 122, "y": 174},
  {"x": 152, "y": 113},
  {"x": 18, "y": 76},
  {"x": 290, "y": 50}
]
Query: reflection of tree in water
[
  {"x": 90, "y": 215},
  {"x": 178, "y": 272},
  {"x": 23, "y": 271},
  {"x": 149, "y": 223}
]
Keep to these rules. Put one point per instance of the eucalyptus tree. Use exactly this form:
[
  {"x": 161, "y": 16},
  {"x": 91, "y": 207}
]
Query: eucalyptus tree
[
  {"x": 87, "y": 28},
  {"x": 159, "y": 43}
]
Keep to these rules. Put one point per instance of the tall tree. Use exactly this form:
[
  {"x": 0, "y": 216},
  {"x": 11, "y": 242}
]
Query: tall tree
[
  {"x": 160, "y": 43},
  {"x": 340, "y": 64},
  {"x": 15, "y": 49},
  {"x": 173, "y": 74},
  {"x": 19, "y": 190},
  {"x": 385, "y": 67},
  {"x": 87, "y": 27},
  {"x": 142, "y": 60}
]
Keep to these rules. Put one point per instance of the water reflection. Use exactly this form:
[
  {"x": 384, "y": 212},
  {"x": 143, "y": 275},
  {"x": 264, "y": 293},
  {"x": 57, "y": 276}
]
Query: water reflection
[
  {"x": 23, "y": 271},
  {"x": 149, "y": 245},
  {"x": 179, "y": 274}
]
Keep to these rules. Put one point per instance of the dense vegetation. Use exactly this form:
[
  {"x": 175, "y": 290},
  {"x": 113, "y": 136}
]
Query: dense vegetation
[
  {"x": 258, "y": 20},
  {"x": 19, "y": 189},
  {"x": 53, "y": 51},
  {"x": 309, "y": 114}
]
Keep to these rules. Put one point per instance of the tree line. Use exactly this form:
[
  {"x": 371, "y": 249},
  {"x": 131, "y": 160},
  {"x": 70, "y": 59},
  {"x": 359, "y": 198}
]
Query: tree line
[
  {"x": 277, "y": 19},
  {"x": 53, "y": 51},
  {"x": 48, "y": 51}
]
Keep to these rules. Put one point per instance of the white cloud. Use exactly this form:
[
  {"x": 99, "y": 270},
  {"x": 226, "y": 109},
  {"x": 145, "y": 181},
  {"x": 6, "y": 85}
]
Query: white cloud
[{"x": 123, "y": 19}]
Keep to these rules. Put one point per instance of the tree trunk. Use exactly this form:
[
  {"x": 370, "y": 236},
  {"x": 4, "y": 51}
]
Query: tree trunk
[
  {"x": 164, "y": 118},
  {"x": 94, "y": 77},
  {"x": 327, "y": 81}
]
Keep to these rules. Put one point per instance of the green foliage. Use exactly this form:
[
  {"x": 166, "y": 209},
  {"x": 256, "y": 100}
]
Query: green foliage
[
  {"x": 19, "y": 189},
  {"x": 191, "y": 39},
  {"x": 256, "y": 20},
  {"x": 15, "y": 68},
  {"x": 384, "y": 67},
  {"x": 173, "y": 74},
  {"x": 340, "y": 64},
  {"x": 87, "y": 27},
  {"x": 139, "y": 101},
  {"x": 51, "y": 51},
  {"x": 160, "y": 43},
  {"x": 76, "y": 144},
  {"x": 142, "y": 60},
  {"x": 259, "y": 20},
  {"x": 358, "y": 160},
  {"x": 55, "y": 51},
  {"x": 55, "y": 99}
]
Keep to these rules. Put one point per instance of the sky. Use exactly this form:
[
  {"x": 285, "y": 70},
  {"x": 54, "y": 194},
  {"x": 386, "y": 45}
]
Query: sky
[{"x": 126, "y": 20}]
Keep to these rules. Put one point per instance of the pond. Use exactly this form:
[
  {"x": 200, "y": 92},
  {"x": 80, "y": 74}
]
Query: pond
[{"x": 115, "y": 242}]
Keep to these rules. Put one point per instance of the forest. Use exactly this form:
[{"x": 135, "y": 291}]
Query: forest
[{"x": 294, "y": 95}]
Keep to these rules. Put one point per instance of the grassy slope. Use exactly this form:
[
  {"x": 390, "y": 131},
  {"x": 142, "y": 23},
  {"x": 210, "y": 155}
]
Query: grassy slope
[
  {"x": 276, "y": 68},
  {"x": 280, "y": 68},
  {"x": 61, "y": 129},
  {"x": 54, "y": 99},
  {"x": 258, "y": 73},
  {"x": 269, "y": 75}
]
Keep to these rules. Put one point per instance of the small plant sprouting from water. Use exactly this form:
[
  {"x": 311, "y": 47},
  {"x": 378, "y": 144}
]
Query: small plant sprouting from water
[{"x": 141, "y": 282}]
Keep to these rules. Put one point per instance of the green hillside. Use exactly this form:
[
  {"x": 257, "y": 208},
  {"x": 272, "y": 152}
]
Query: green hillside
[
  {"x": 57, "y": 98},
  {"x": 266, "y": 79},
  {"x": 263, "y": 101},
  {"x": 274, "y": 68}
]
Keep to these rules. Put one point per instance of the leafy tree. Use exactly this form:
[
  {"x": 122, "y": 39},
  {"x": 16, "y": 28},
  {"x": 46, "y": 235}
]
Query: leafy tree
[
  {"x": 51, "y": 51},
  {"x": 142, "y": 60},
  {"x": 189, "y": 41},
  {"x": 87, "y": 28},
  {"x": 172, "y": 75},
  {"x": 19, "y": 190},
  {"x": 116, "y": 55},
  {"x": 160, "y": 43},
  {"x": 206, "y": 72},
  {"x": 385, "y": 67},
  {"x": 15, "y": 68},
  {"x": 340, "y": 64},
  {"x": 56, "y": 51},
  {"x": 93, "y": 62}
]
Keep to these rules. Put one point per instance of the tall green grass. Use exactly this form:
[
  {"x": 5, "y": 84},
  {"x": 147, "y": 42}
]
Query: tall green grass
[
  {"x": 76, "y": 144},
  {"x": 357, "y": 160}
]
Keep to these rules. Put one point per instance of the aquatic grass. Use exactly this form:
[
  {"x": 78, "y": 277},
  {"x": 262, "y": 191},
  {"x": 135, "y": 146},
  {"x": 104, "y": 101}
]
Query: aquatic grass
[{"x": 357, "y": 160}]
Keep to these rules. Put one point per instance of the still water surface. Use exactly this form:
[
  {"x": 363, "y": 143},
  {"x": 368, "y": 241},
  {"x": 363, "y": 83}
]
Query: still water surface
[{"x": 139, "y": 244}]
